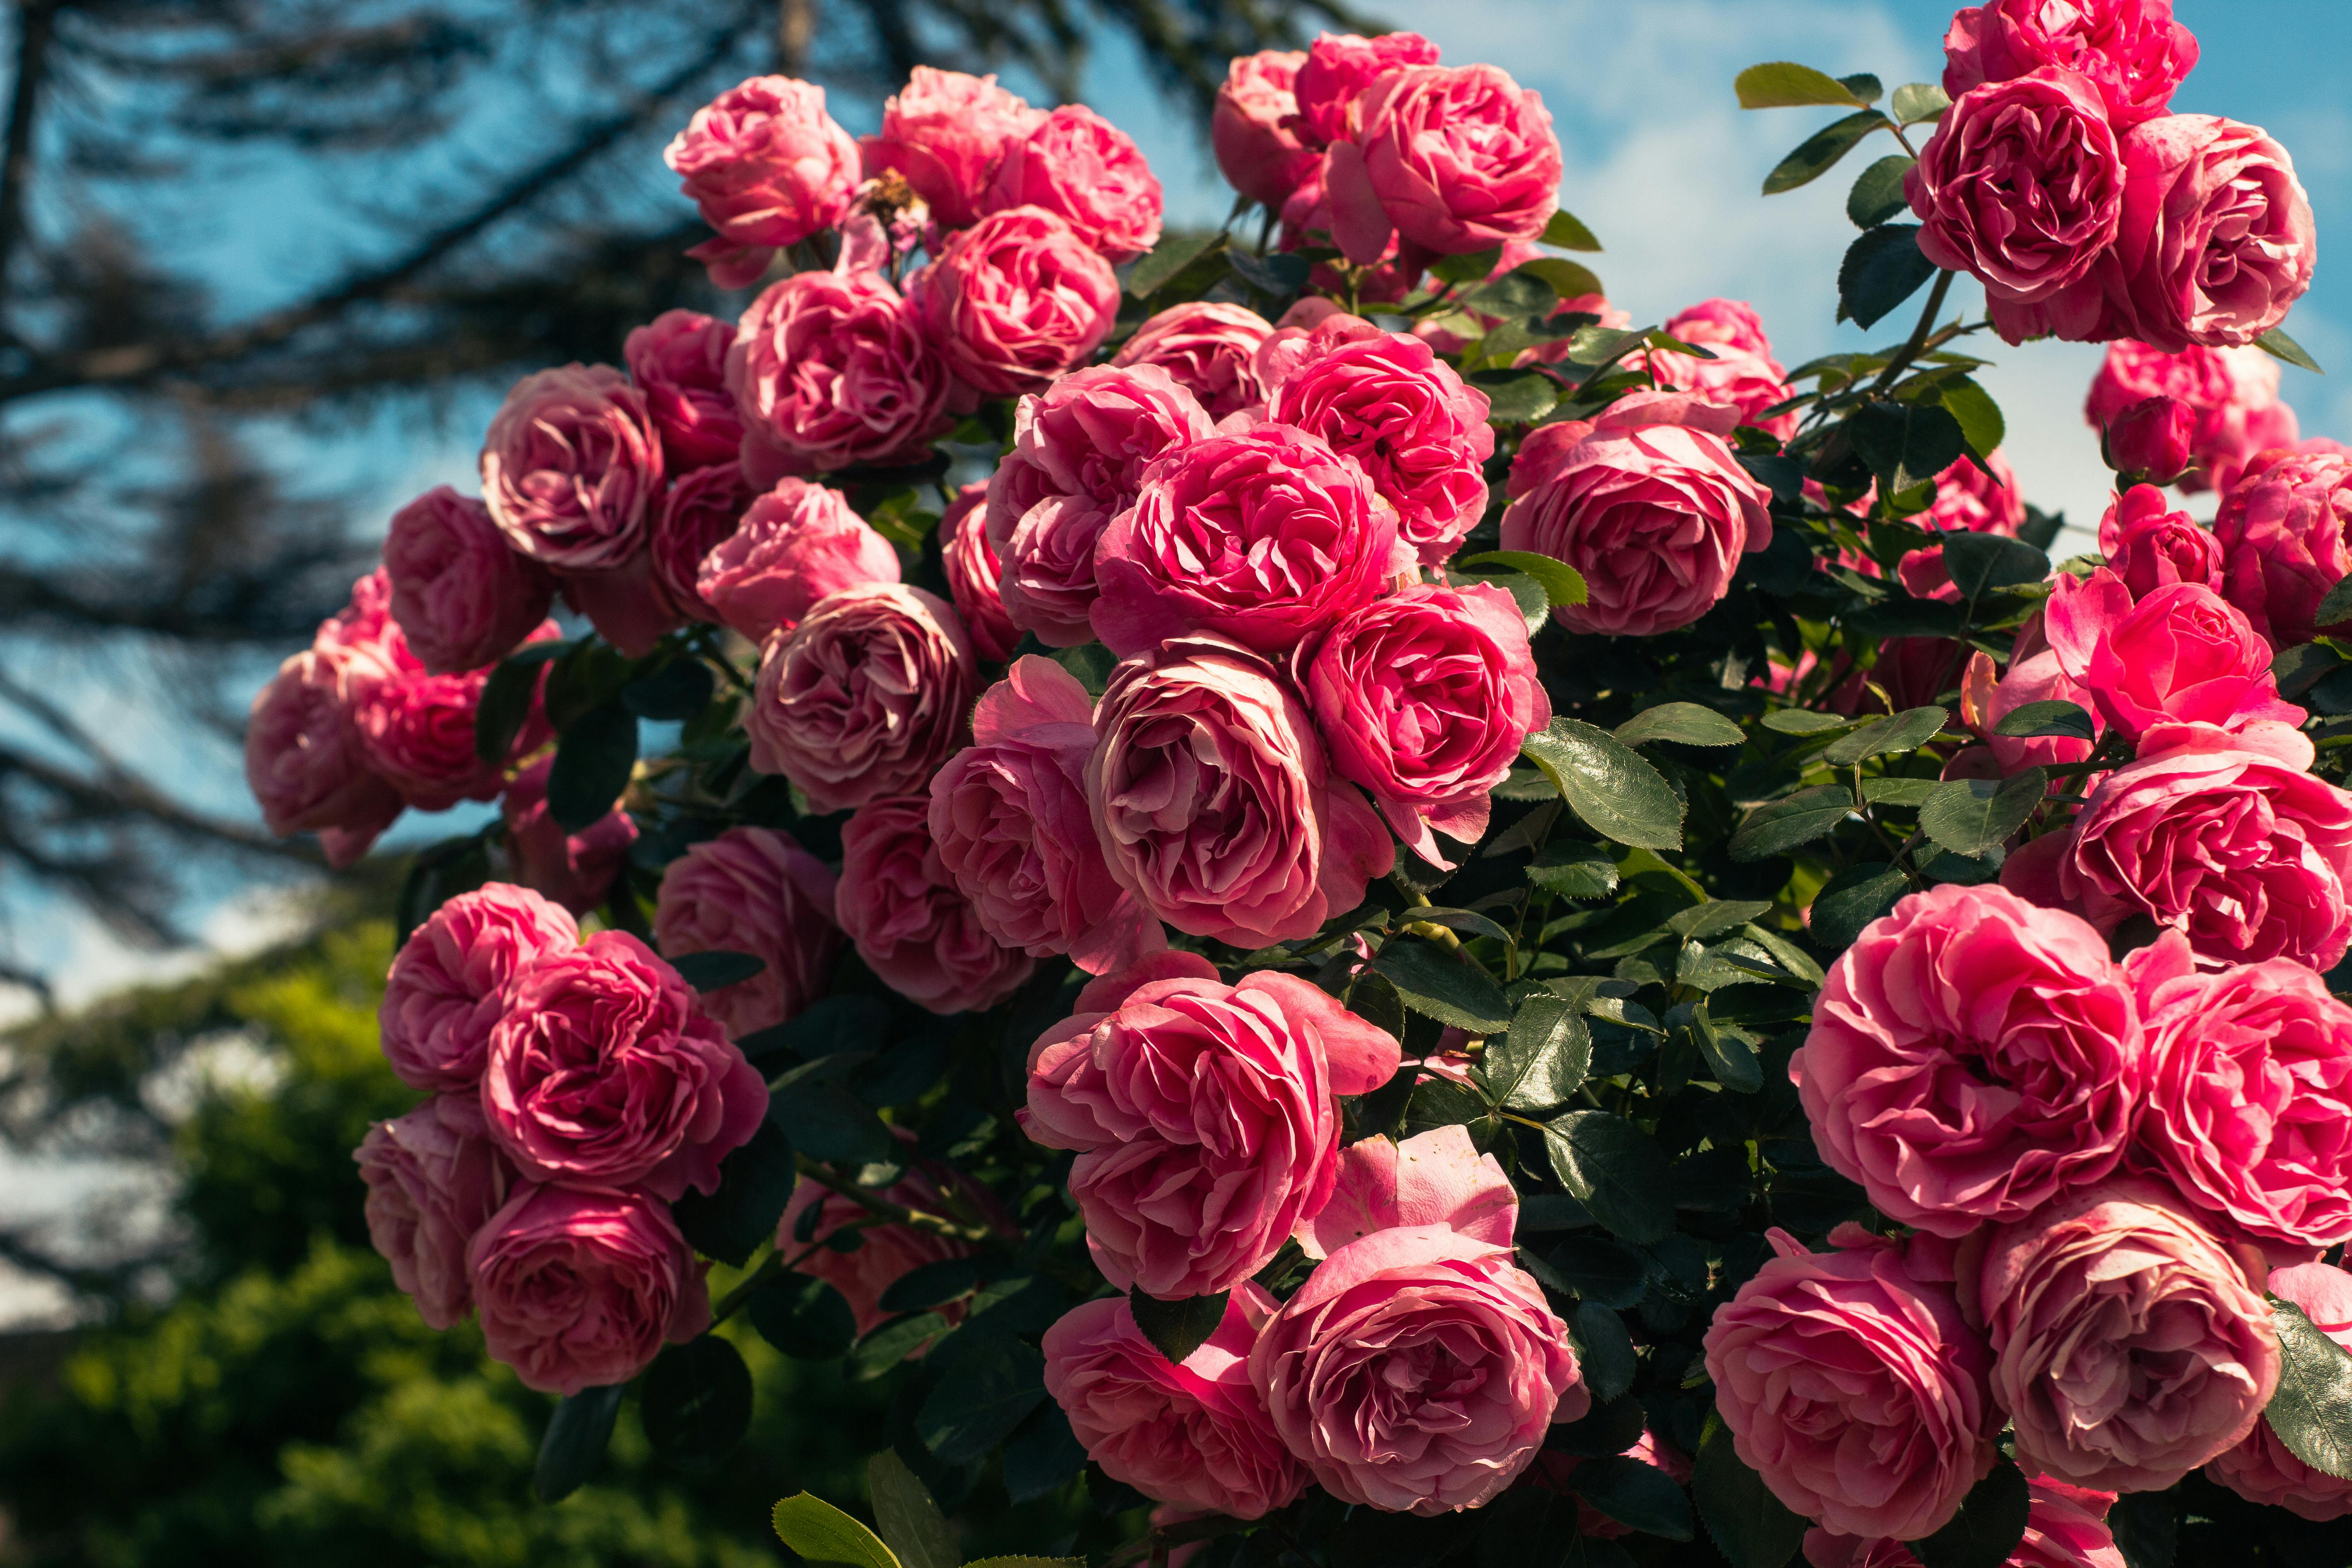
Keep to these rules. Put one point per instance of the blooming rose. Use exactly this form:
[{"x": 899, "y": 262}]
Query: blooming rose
[
  {"x": 625, "y": 604},
  {"x": 1216, "y": 803},
  {"x": 970, "y": 564},
  {"x": 768, "y": 167},
  {"x": 573, "y": 870},
  {"x": 2130, "y": 1346},
  {"x": 2233, "y": 393},
  {"x": 863, "y": 699},
  {"x": 434, "y": 1178},
  {"x": 1265, "y": 536},
  {"x": 572, "y": 468},
  {"x": 1204, "y": 1118},
  {"x": 1453, "y": 158},
  {"x": 2154, "y": 439},
  {"x": 795, "y": 545},
  {"x": 1210, "y": 347},
  {"x": 833, "y": 372},
  {"x": 1743, "y": 374},
  {"x": 1079, "y": 451},
  {"x": 305, "y": 759},
  {"x": 1009, "y": 817},
  {"x": 1971, "y": 500},
  {"x": 1080, "y": 167},
  {"x": 417, "y": 729},
  {"x": 704, "y": 507},
  {"x": 679, "y": 360},
  {"x": 886, "y": 1253},
  {"x": 579, "y": 1288},
  {"x": 755, "y": 890},
  {"x": 2261, "y": 1468},
  {"x": 945, "y": 134},
  {"x": 2132, "y": 51},
  {"x": 1435, "y": 1178},
  {"x": 912, "y": 924},
  {"x": 605, "y": 1070},
  {"x": 2034, "y": 675},
  {"x": 1336, "y": 71},
  {"x": 1973, "y": 1057},
  {"x": 447, "y": 987},
  {"x": 461, "y": 594},
  {"x": 2065, "y": 1527},
  {"x": 1193, "y": 1432},
  {"x": 1257, "y": 148},
  {"x": 2150, "y": 548},
  {"x": 1015, "y": 300},
  {"x": 2182, "y": 653},
  {"x": 2282, "y": 537}
]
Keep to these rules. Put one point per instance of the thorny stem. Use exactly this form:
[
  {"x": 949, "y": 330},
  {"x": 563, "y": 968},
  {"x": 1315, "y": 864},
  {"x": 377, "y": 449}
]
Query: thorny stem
[{"x": 897, "y": 1213}]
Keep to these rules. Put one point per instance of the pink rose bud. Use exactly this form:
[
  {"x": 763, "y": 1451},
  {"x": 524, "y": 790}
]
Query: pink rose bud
[
  {"x": 2261, "y": 1468},
  {"x": 1454, "y": 159},
  {"x": 2180, "y": 655},
  {"x": 1210, "y": 348},
  {"x": 580, "y": 1288},
  {"x": 679, "y": 362},
  {"x": 704, "y": 507},
  {"x": 2150, "y": 548},
  {"x": 605, "y": 1071},
  {"x": 1015, "y": 300},
  {"x": 2232, "y": 395},
  {"x": 417, "y": 729},
  {"x": 2282, "y": 534},
  {"x": 797, "y": 544},
  {"x": 306, "y": 762},
  {"x": 834, "y": 373},
  {"x": 1205, "y": 1120},
  {"x": 767, "y": 167},
  {"x": 886, "y": 1253},
  {"x": 1338, "y": 69},
  {"x": 1743, "y": 374},
  {"x": 1256, "y": 145},
  {"x": 463, "y": 597},
  {"x": 447, "y": 987},
  {"x": 2151, "y": 439},
  {"x": 864, "y": 699},
  {"x": 2217, "y": 241},
  {"x": 945, "y": 134},
  {"x": 2132, "y": 51},
  {"x": 573, "y": 870},
  {"x": 755, "y": 890},
  {"x": 434, "y": 1178},
  {"x": 1193, "y": 1433},
  {"x": 972, "y": 572},
  {"x": 1262, "y": 844},
  {"x": 1082, "y": 168},
  {"x": 572, "y": 468},
  {"x": 910, "y": 923}
]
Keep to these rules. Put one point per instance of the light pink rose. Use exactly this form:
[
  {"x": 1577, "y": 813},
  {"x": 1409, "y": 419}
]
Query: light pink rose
[
  {"x": 447, "y": 987},
  {"x": 2233, "y": 393},
  {"x": 912, "y": 924},
  {"x": 2132, "y": 51},
  {"x": 433, "y": 1180},
  {"x": 463, "y": 597},
  {"x": 417, "y": 729},
  {"x": 945, "y": 134},
  {"x": 572, "y": 468},
  {"x": 2150, "y": 547},
  {"x": 970, "y": 564},
  {"x": 2261, "y": 1468},
  {"x": 573, "y": 870},
  {"x": 795, "y": 545},
  {"x": 834, "y": 373},
  {"x": 1193, "y": 1433},
  {"x": 1256, "y": 145},
  {"x": 755, "y": 890},
  {"x": 1009, "y": 819},
  {"x": 704, "y": 507},
  {"x": 1973, "y": 1057},
  {"x": 886, "y": 1253},
  {"x": 1210, "y": 347},
  {"x": 2065, "y": 1527},
  {"x": 579, "y": 1288},
  {"x": 1432, "y": 1178},
  {"x": 1015, "y": 300},
  {"x": 1205, "y": 1120},
  {"x": 1079, "y": 452},
  {"x": 1747, "y": 380},
  {"x": 1336, "y": 71},
  {"x": 1852, "y": 1383},
  {"x": 767, "y": 167},
  {"x": 1265, "y": 536},
  {"x": 1424, "y": 699},
  {"x": 1216, "y": 803},
  {"x": 2153, "y": 440},
  {"x": 305, "y": 759},
  {"x": 1080, "y": 167},
  {"x": 1721, "y": 325},
  {"x": 1454, "y": 159},
  {"x": 864, "y": 697},
  {"x": 2282, "y": 531},
  {"x": 2182, "y": 654},
  {"x": 2130, "y": 1345},
  {"x": 679, "y": 360},
  {"x": 605, "y": 1071}
]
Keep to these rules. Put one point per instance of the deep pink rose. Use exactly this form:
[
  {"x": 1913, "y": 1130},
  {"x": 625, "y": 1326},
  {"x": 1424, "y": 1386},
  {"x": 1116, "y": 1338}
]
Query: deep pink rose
[
  {"x": 2281, "y": 532},
  {"x": 463, "y": 597},
  {"x": 755, "y": 890},
  {"x": 973, "y": 573},
  {"x": 1454, "y": 159},
  {"x": 305, "y": 759},
  {"x": 1265, "y": 536},
  {"x": 1337, "y": 69},
  {"x": 1973, "y": 1057},
  {"x": 2182, "y": 654},
  {"x": 1193, "y": 1433},
  {"x": 679, "y": 360},
  {"x": 2261, "y": 1468},
  {"x": 1015, "y": 300},
  {"x": 1424, "y": 699},
  {"x": 1311, "y": 329},
  {"x": 912, "y": 924},
  {"x": 2233, "y": 393},
  {"x": 1743, "y": 374},
  {"x": 1214, "y": 801},
  {"x": 2033, "y": 677},
  {"x": 1009, "y": 819},
  {"x": 574, "y": 870},
  {"x": 417, "y": 729},
  {"x": 625, "y": 604},
  {"x": 1432, "y": 1178},
  {"x": 2130, "y": 1344},
  {"x": 945, "y": 132},
  {"x": 864, "y": 697},
  {"x": 579, "y": 1288},
  {"x": 2065, "y": 1527},
  {"x": 1083, "y": 169},
  {"x": 1210, "y": 347},
  {"x": 433, "y": 1180},
  {"x": 2132, "y": 51},
  {"x": 447, "y": 986},
  {"x": 1407, "y": 418},
  {"x": 886, "y": 1253},
  {"x": 572, "y": 468},
  {"x": 704, "y": 507},
  {"x": 1205, "y": 1120},
  {"x": 605, "y": 1071},
  {"x": 1079, "y": 451},
  {"x": 2153, "y": 440},
  {"x": 795, "y": 545},
  {"x": 2150, "y": 547},
  {"x": 835, "y": 374},
  {"x": 768, "y": 167},
  {"x": 1257, "y": 147},
  {"x": 1970, "y": 500}
]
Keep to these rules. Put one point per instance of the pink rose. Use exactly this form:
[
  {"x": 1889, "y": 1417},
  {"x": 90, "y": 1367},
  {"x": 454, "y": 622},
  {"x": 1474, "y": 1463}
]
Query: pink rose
[
  {"x": 1971, "y": 1059},
  {"x": 2154, "y": 441},
  {"x": 1265, "y": 536},
  {"x": 970, "y": 564},
  {"x": 1432, "y": 1178},
  {"x": 912, "y": 924},
  {"x": 1970, "y": 500},
  {"x": 580, "y": 1288},
  {"x": 1722, "y": 324},
  {"x": 1743, "y": 374},
  {"x": 767, "y": 167},
  {"x": 573, "y": 870},
  {"x": 463, "y": 597},
  {"x": 945, "y": 134},
  {"x": 1407, "y": 418},
  {"x": 1337, "y": 69},
  {"x": 678, "y": 361},
  {"x": 833, "y": 371},
  {"x": 1193, "y": 1433},
  {"x": 1453, "y": 158},
  {"x": 886, "y": 1253},
  {"x": 864, "y": 697},
  {"x": 755, "y": 890},
  {"x": 2131, "y": 51},
  {"x": 1205, "y": 1120},
  {"x": 1257, "y": 148},
  {"x": 1015, "y": 300},
  {"x": 1210, "y": 348},
  {"x": 1852, "y": 1383},
  {"x": 797, "y": 544},
  {"x": 433, "y": 1180},
  {"x": 2282, "y": 537},
  {"x": 1083, "y": 169},
  {"x": 703, "y": 509},
  {"x": 2150, "y": 548},
  {"x": 306, "y": 762},
  {"x": 2130, "y": 1346},
  {"x": 1009, "y": 819},
  {"x": 2261, "y": 1468},
  {"x": 2034, "y": 676},
  {"x": 572, "y": 468},
  {"x": 626, "y": 604},
  {"x": 417, "y": 729},
  {"x": 2182, "y": 654},
  {"x": 447, "y": 987},
  {"x": 1079, "y": 452},
  {"x": 605, "y": 1071},
  {"x": 1214, "y": 801},
  {"x": 2065, "y": 1527},
  {"x": 1424, "y": 699},
  {"x": 2233, "y": 393}
]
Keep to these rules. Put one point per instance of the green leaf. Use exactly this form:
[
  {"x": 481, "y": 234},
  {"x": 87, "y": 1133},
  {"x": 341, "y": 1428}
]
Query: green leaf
[
  {"x": 1751, "y": 1528},
  {"x": 910, "y": 1523},
  {"x": 1865, "y": 88},
  {"x": 574, "y": 1443},
  {"x": 697, "y": 1402},
  {"x": 593, "y": 760},
  {"x": 1608, "y": 1362},
  {"x": 1517, "y": 292},
  {"x": 2278, "y": 345},
  {"x": 1881, "y": 269},
  {"x": 1280, "y": 275},
  {"x": 893, "y": 1343},
  {"x": 1575, "y": 871},
  {"x": 1852, "y": 898},
  {"x": 1731, "y": 1058},
  {"x": 1562, "y": 583},
  {"x": 1437, "y": 985},
  {"x": 676, "y": 692},
  {"x": 1568, "y": 279},
  {"x": 806, "y": 1319},
  {"x": 825, "y": 1121},
  {"x": 2053, "y": 717},
  {"x": 2312, "y": 1410},
  {"x": 1177, "y": 249},
  {"x": 1637, "y": 1494},
  {"x": 2147, "y": 1527},
  {"x": 932, "y": 1284},
  {"x": 821, "y": 1533},
  {"x": 505, "y": 702},
  {"x": 1542, "y": 1059},
  {"x": 436, "y": 875},
  {"x": 2300, "y": 667},
  {"x": 1990, "y": 1523},
  {"x": 1969, "y": 817},
  {"x": 1804, "y": 721},
  {"x": 1614, "y": 1169},
  {"x": 1688, "y": 722},
  {"x": 1470, "y": 922},
  {"x": 1908, "y": 794},
  {"x": 1782, "y": 84},
  {"x": 1608, "y": 785},
  {"x": 1819, "y": 154},
  {"x": 1516, "y": 397},
  {"x": 1603, "y": 1270},
  {"x": 1905, "y": 445},
  {"x": 1904, "y": 731},
  {"x": 1472, "y": 266},
  {"x": 1981, "y": 563},
  {"x": 1177, "y": 1329},
  {"x": 1915, "y": 102},
  {"x": 1566, "y": 231},
  {"x": 1877, "y": 195},
  {"x": 974, "y": 1407},
  {"x": 1715, "y": 917},
  {"x": 1044, "y": 1456},
  {"x": 2334, "y": 605},
  {"x": 1982, "y": 425},
  {"x": 1028, "y": 1562},
  {"x": 1780, "y": 825},
  {"x": 711, "y": 971},
  {"x": 755, "y": 1183}
]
